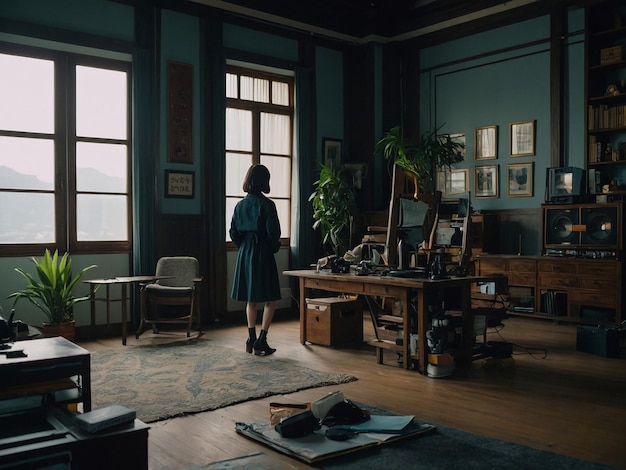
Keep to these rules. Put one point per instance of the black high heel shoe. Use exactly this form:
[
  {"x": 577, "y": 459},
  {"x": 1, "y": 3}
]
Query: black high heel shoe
[{"x": 250, "y": 345}]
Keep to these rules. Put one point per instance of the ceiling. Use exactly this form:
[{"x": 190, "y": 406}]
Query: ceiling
[{"x": 359, "y": 19}]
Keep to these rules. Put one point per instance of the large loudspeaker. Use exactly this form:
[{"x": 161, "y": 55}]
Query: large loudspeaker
[
  {"x": 591, "y": 226},
  {"x": 560, "y": 224},
  {"x": 602, "y": 226}
]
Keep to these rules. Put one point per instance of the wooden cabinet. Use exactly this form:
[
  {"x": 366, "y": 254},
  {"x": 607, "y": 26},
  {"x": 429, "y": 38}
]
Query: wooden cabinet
[
  {"x": 606, "y": 96},
  {"x": 571, "y": 289},
  {"x": 484, "y": 234}
]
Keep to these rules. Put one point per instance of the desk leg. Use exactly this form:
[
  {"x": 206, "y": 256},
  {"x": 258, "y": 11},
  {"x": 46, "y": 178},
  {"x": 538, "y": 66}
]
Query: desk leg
[
  {"x": 406, "y": 330},
  {"x": 302, "y": 312},
  {"x": 422, "y": 327},
  {"x": 108, "y": 300},
  {"x": 467, "y": 331},
  {"x": 86, "y": 385},
  {"x": 92, "y": 296},
  {"x": 124, "y": 313}
]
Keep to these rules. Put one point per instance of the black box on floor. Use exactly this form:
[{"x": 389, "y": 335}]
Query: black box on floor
[{"x": 599, "y": 340}]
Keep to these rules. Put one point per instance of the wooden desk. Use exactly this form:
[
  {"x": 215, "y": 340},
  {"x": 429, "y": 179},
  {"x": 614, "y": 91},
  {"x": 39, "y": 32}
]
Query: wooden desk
[
  {"x": 403, "y": 290},
  {"x": 45, "y": 360},
  {"x": 94, "y": 285}
]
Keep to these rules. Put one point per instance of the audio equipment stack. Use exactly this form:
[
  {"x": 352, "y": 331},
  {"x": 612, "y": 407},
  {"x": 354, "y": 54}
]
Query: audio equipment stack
[{"x": 584, "y": 230}]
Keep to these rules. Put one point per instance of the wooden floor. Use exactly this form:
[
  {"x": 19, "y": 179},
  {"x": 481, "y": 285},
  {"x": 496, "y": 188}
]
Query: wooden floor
[{"x": 568, "y": 402}]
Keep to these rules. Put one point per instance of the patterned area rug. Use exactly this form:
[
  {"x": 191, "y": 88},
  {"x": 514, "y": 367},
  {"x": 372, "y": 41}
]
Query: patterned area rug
[{"x": 167, "y": 381}]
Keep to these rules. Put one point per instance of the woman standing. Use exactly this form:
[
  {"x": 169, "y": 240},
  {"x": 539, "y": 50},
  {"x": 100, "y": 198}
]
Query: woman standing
[{"x": 255, "y": 230}]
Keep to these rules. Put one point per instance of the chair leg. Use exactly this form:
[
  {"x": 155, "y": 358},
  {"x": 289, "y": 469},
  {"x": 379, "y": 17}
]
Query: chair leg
[{"x": 142, "y": 308}]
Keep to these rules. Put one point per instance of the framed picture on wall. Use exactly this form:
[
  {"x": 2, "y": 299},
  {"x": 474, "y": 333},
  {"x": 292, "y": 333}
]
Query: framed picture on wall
[
  {"x": 486, "y": 181},
  {"x": 452, "y": 182},
  {"x": 179, "y": 184},
  {"x": 332, "y": 152},
  {"x": 486, "y": 143},
  {"x": 520, "y": 179},
  {"x": 457, "y": 138},
  {"x": 522, "y": 138}
]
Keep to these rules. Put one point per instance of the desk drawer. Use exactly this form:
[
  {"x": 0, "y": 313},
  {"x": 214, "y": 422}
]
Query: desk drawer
[
  {"x": 609, "y": 285},
  {"x": 521, "y": 279},
  {"x": 551, "y": 281},
  {"x": 491, "y": 266},
  {"x": 522, "y": 265},
  {"x": 334, "y": 285},
  {"x": 557, "y": 266},
  {"x": 594, "y": 298},
  {"x": 386, "y": 291}
]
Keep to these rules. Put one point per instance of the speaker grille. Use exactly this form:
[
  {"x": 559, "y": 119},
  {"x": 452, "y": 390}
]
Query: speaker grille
[
  {"x": 559, "y": 226},
  {"x": 601, "y": 226},
  {"x": 584, "y": 226}
]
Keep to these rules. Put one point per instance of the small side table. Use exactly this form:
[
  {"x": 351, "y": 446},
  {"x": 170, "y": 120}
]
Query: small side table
[{"x": 94, "y": 284}]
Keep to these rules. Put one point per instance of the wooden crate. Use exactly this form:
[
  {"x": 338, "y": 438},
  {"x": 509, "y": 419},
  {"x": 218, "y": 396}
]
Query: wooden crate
[
  {"x": 611, "y": 55},
  {"x": 332, "y": 321}
]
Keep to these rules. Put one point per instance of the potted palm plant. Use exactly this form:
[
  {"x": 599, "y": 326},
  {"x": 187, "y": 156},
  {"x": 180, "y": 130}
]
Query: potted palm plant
[
  {"x": 421, "y": 158},
  {"x": 334, "y": 207},
  {"x": 51, "y": 291}
]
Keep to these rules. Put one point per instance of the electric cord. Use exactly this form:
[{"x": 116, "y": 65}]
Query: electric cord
[{"x": 532, "y": 352}]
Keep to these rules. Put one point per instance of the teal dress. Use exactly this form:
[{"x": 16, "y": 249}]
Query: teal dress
[{"x": 255, "y": 230}]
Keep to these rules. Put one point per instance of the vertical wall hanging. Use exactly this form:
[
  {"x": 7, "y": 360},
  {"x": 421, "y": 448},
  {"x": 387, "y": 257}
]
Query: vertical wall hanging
[{"x": 180, "y": 112}]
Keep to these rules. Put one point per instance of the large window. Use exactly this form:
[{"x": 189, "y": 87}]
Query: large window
[
  {"x": 64, "y": 153},
  {"x": 259, "y": 129}
]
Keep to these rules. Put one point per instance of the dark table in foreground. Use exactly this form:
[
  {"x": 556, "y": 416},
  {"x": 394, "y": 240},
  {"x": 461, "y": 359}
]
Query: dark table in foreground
[{"x": 47, "y": 359}]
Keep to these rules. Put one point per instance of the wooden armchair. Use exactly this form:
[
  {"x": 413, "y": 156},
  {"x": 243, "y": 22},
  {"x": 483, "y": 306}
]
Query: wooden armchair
[{"x": 173, "y": 299}]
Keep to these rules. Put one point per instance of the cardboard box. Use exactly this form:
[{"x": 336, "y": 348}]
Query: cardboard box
[
  {"x": 611, "y": 55},
  {"x": 333, "y": 321},
  {"x": 599, "y": 340}
]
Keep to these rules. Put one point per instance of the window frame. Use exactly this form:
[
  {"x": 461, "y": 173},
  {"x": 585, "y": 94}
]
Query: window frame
[
  {"x": 64, "y": 142},
  {"x": 257, "y": 108}
]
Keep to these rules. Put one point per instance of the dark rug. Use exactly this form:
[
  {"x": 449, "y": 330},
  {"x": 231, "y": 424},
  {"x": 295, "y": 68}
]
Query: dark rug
[
  {"x": 451, "y": 449},
  {"x": 444, "y": 449},
  {"x": 167, "y": 381}
]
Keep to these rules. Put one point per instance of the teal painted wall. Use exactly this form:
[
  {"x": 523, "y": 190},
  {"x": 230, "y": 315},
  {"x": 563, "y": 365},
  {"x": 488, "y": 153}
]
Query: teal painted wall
[
  {"x": 329, "y": 95},
  {"x": 496, "y": 78},
  {"x": 180, "y": 42}
]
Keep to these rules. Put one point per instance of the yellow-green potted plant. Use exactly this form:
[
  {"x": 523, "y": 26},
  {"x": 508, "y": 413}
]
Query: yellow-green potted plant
[
  {"x": 423, "y": 157},
  {"x": 51, "y": 291}
]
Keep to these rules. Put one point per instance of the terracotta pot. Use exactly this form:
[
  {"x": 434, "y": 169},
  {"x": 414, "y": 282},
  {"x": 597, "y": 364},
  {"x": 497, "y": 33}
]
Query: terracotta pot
[{"x": 66, "y": 330}]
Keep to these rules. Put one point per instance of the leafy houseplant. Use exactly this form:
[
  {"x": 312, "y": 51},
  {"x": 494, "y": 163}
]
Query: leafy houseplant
[
  {"x": 334, "y": 204},
  {"x": 421, "y": 158},
  {"x": 52, "y": 290}
]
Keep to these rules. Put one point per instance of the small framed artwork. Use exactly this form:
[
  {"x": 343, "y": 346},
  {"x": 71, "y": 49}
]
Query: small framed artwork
[
  {"x": 520, "y": 179},
  {"x": 179, "y": 184},
  {"x": 452, "y": 182},
  {"x": 486, "y": 181},
  {"x": 486, "y": 143},
  {"x": 457, "y": 138},
  {"x": 522, "y": 138},
  {"x": 332, "y": 152}
]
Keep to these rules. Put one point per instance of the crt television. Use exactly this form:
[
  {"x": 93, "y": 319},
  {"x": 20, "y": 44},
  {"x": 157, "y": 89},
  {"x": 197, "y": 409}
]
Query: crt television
[{"x": 565, "y": 185}]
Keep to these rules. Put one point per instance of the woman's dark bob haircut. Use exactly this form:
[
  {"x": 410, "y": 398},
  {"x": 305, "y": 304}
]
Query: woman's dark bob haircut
[{"x": 257, "y": 180}]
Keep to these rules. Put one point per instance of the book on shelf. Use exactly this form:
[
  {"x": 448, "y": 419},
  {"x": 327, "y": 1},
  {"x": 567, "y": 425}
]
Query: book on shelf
[{"x": 29, "y": 396}]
